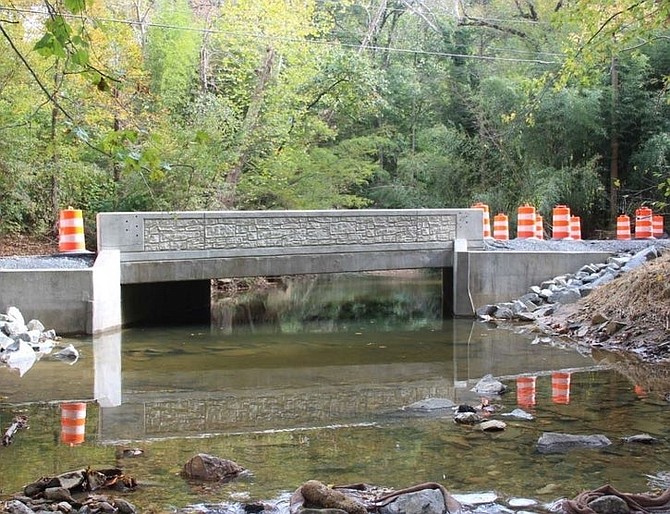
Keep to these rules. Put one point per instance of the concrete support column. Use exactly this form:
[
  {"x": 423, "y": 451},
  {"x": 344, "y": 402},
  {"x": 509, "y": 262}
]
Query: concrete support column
[
  {"x": 463, "y": 306},
  {"x": 447, "y": 293},
  {"x": 106, "y": 285},
  {"x": 181, "y": 302}
]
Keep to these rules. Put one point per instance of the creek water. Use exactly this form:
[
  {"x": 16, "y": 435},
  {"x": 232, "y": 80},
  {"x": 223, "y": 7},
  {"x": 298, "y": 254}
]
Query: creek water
[{"x": 312, "y": 381}]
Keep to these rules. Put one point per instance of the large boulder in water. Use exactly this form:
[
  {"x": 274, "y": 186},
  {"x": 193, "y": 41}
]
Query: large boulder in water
[
  {"x": 553, "y": 442},
  {"x": 489, "y": 386},
  {"x": 212, "y": 469}
]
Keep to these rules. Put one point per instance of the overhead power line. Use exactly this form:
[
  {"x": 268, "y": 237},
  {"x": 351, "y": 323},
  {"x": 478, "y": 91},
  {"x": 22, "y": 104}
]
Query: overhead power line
[{"x": 268, "y": 37}]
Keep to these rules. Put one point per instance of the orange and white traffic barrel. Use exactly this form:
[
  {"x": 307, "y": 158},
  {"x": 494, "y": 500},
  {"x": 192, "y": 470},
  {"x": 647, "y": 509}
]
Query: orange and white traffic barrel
[
  {"x": 539, "y": 227},
  {"x": 561, "y": 222},
  {"x": 623, "y": 227},
  {"x": 73, "y": 422},
  {"x": 486, "y": 218},
  {"x": 71, "y": 231},
  {"x": 644, "y": 223},
  {"x": 525, "y": 227},
  {"x": 500, "y": 227},
  {"x": 525, "y": 391},
  {"x": 560, "y": 387},
  {"x": 657, "y": 226},
  {"x": 575, "y": 228}
]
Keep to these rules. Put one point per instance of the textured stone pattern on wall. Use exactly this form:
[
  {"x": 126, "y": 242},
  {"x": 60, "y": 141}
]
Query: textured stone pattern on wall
[{"x": 295, "y": 231}]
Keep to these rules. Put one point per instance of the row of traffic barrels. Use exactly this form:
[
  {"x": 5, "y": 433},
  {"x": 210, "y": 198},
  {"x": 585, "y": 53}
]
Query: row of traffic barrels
[
  {"x": 530, "y": 224},
  {"x": 647, "y": 225}
]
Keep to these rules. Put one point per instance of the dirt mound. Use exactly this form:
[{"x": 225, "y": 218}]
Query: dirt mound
[
  {"x": 630, "y": 313},
  {"x": 640, "y": 296}
]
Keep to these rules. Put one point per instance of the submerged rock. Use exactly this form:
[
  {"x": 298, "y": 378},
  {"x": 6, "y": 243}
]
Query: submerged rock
[
  {"x": 640, "y": 438},
  {"x": 68, "y": 354},
  {"x": 554, "y": 442},
  {"x": 519, "y": 414},
  {"x": 491, "y": 425}
]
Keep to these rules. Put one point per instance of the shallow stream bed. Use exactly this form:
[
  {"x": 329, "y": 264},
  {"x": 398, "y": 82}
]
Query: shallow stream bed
[{"x": 311, "y": 382}]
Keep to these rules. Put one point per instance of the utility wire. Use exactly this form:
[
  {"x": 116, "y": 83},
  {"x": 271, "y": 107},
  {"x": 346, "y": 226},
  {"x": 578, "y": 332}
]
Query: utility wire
[{"x": 267, "y": 37}]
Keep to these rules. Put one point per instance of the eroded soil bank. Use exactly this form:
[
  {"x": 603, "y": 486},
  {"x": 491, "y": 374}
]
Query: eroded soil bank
[{"x": 629, "y": 315}]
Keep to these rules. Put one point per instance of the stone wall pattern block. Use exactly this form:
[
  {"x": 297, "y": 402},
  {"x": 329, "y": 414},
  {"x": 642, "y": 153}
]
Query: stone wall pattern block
[{"x": 294, "y": 232}]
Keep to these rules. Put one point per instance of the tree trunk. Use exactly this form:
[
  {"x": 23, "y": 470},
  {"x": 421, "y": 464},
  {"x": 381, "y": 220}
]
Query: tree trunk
[
  {"x": 614, "y": 144},
  {"x": 116, "y": 125},
  {"x": 247, "y": 131},
  {"x": 54, "y": 186}
]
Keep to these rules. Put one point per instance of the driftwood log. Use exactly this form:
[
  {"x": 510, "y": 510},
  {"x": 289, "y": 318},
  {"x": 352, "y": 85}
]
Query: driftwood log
[
  {"x": 359, "y": 498},
  {"x": 18, "y": 423},
  {"x": 452, "y": 504},
  {"x": 315, "y": 494}
]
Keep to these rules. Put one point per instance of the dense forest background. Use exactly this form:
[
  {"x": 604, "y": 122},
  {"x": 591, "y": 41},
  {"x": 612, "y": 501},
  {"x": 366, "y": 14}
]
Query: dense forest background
[{"x": 122, "y": 105}]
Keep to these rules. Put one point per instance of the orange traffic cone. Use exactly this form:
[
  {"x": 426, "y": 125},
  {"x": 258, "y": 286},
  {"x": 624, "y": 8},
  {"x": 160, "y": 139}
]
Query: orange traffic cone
[
  {"x": 575, "y": 228},
  {"x": 643, "y": 223},
  {"x": 623, "y": 227},
  {"x": 486, "y": 218},
  {"x": 561, "y": 222},
  {"x": 71, "y": 231},
  {"x": 657, "y": 224},
  {"x": 539, "y": 227},
  {"x": 500, "y": 227},
  {"x": 525, "y": 228}
]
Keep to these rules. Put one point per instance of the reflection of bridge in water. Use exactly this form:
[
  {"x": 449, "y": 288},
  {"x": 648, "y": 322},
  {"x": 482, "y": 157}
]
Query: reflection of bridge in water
[{"x": 284, "y": 398}]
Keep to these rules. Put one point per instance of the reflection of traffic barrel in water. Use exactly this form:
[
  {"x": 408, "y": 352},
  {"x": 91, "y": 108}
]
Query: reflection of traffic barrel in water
[
  {"x": 73, "y": 422},
  {"x": 525, "y": 391},
  {"x": 560, "y": 387}
]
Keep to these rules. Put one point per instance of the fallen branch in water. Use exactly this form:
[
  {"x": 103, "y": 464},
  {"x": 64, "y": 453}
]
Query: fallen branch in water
[{"x": 18, "y": 423}]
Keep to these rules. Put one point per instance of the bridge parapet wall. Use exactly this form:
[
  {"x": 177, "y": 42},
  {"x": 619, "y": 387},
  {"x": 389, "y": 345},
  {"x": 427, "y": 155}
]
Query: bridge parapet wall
[{"x": 230, "y": 233}]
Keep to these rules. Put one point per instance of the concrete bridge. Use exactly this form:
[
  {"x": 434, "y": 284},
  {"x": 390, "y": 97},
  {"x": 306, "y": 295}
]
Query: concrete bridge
[
  {"x": 168, "y": 259},
  {"x": 157, "y": 266}
]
